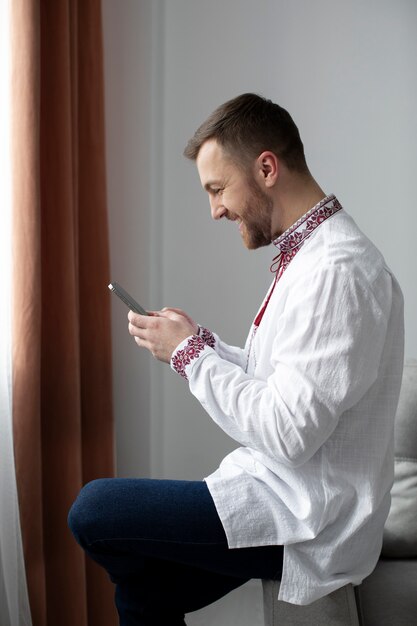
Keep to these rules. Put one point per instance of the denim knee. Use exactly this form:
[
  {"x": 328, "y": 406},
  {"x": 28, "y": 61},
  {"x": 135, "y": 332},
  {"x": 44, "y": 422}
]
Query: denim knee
[{"x": 88, "y": 511}]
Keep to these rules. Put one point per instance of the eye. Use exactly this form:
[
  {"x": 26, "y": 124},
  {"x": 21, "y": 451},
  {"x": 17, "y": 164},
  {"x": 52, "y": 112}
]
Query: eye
[{"x": 214, "y": 191}]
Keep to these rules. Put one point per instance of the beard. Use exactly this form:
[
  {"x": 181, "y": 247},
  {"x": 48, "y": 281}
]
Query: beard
[{"x": 257, "y": 218}]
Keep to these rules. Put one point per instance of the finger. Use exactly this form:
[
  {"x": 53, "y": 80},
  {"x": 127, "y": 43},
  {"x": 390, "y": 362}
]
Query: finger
[
  {"x": 133, "y": 330},
  {"x": 136, "y": 331},
  {"x": 134, "y": 318},
  {"x": 141, "y": 321},
  {"x": 142, "y": 343},
  {"x": 170, "y": 314}
]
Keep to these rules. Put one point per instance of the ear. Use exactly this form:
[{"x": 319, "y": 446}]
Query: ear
[{"x": 267, "y": 166}]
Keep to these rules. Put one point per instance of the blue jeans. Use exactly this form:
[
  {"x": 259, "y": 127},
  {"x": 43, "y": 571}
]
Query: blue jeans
[{"x": 164, "y": 547}]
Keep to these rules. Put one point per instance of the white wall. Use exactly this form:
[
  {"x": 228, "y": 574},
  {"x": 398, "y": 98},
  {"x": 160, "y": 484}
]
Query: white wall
[
  {"x": 345, "y": 70},
  {"x": 131, "y": 84},
  {"x": 347, "y": 73}
]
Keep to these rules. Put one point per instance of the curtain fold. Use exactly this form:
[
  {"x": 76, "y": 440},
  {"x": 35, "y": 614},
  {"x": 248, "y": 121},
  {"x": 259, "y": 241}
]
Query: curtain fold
[
  {"x": 14, "y": 601},
  {"x": 62, "y": 410}
]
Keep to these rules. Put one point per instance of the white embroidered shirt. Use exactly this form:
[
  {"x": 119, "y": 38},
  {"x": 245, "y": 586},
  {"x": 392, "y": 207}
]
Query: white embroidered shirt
[{"x": 311, "y": 400}]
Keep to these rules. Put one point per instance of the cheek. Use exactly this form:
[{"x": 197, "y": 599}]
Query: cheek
[{"x": 235, "y": 203}]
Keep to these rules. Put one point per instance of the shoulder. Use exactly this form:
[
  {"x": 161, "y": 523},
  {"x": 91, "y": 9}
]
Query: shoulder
[
  {"x": 339, "y": 263},
  {"x": 339, "y": 246}
]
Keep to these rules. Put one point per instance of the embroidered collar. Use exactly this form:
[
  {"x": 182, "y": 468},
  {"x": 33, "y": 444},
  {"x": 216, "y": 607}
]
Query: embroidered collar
[{"x": 290, "y": 242}]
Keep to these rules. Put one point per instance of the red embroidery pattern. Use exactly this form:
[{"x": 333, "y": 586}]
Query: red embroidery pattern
[
  {"x": 182, "y": 358},
  {"x": 290, "y": 242},
  {"x": 207, "y": 336}
]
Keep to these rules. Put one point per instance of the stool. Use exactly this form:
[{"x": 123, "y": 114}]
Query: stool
[{"x": 339, "y": 608}]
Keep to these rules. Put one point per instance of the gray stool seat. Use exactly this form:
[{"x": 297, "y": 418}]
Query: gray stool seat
[
  {"x": 388, "y": 597},
  {"x": 338, "y": 608}
]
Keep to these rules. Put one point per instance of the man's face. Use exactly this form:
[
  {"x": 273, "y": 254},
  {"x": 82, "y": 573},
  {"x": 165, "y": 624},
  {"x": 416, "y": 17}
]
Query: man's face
[{"x": 235, "y": 194}]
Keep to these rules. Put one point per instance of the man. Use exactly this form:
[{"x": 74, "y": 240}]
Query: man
[{"x": 310, "y": 399}]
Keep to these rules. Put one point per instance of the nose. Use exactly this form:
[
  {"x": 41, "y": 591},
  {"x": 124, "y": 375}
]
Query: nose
[{"x": 217, "y": 209}]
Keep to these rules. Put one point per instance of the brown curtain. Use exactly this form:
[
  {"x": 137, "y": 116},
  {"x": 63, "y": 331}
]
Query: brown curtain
[{"x": 62, "y": 398}]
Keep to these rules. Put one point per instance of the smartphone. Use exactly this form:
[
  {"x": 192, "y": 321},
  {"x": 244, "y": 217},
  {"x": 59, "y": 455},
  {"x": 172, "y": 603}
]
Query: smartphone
[{"x": 127, "y": 299}]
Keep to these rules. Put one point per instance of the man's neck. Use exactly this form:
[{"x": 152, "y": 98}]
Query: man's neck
[{"x": 294, "y": 198}]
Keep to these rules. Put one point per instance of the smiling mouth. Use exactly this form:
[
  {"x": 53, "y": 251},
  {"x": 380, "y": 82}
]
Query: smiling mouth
[{"x": 235, "y": 218}]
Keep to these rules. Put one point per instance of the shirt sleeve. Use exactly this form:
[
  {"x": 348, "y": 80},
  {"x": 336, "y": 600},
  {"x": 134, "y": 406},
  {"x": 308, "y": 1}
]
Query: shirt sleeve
[
  {"x": 324, "y": 357},
  {"x": 233, "y": 354}
]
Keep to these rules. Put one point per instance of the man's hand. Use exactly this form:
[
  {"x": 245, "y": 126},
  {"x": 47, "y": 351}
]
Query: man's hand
[{"x": 161, "y": 331}]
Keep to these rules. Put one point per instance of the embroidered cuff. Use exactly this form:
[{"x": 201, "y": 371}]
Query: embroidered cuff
[
  {"x": 188, "y": 350},
  {"x": 207, "y": 336}
]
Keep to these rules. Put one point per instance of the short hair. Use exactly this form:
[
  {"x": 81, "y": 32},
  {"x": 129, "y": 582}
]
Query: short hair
[{"x": 248, "y": 125}]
